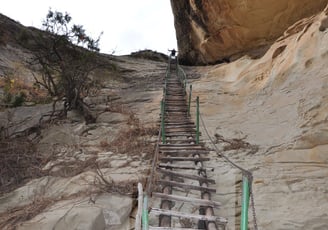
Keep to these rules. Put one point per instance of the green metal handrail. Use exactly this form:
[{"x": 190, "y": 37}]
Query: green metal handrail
[
  {"x": 145, "y": 220},
  {"x": 197, "y": 120},
  {"x": 189, "y": 100},
  {"x": 163, "y": 121},
  {"x": 245, "y": 203}
]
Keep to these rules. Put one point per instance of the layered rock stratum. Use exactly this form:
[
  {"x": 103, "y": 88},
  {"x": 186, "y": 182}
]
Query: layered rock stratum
[{"x": 221, "y": 30}]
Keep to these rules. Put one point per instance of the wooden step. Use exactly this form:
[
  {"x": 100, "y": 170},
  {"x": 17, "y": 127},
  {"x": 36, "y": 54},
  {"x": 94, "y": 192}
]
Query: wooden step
[
  {"x": 174, "y": 166},
  {"x": 184, "y": 159},
  {"x": 183, "y": 152},
  {"x": 179, "y": 123},
  {"x": 182, "y": 145},
  {"x": 182, "y": 148},
  {"x": 171, "y": 228},
  {"x": 186, "y": 186},
  {"x": 186, "y": 199},
  {"x": 157, "y": 211},
  {"x": 182, "y": 129},
  {"x": 179, "y": 141},
  {"x": 187, "y": 176}
]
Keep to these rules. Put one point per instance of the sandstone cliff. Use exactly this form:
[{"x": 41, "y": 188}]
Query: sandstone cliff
[
  {"x": 269, "y": 115},
  {"x": 211, "y": 31}
]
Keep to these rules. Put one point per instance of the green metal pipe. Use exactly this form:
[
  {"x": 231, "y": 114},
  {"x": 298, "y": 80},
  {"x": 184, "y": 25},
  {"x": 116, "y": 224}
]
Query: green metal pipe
[
  {"x": 162, "y": 121},
  {"x": 185, "y": 85},
  {"x": 145, "y": 222},
  {"x": 189, "y": 101},
  {"x": 197, "y": 120},
  {"x": 245, "y": 203}
]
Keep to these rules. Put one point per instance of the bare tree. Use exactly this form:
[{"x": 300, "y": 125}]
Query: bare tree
[{"x": 66, "y": 55}]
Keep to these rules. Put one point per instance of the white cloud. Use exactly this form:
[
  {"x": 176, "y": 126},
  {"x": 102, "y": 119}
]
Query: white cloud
[{"x": 128, "y": 25}]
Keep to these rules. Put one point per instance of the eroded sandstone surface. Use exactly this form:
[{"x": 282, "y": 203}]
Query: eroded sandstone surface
[
  {"x": 210, "y": 31},
  {"x": 270, "y": 117}
]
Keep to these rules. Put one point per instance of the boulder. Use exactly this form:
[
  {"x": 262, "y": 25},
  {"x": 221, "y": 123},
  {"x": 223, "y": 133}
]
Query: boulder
[{"x": 106, "y": 211}]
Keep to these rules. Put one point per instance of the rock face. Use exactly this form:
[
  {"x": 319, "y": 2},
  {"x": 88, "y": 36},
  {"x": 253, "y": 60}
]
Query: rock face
[
  {"x": 210, "y": 31},
  {"x": 269, "y": 115}
]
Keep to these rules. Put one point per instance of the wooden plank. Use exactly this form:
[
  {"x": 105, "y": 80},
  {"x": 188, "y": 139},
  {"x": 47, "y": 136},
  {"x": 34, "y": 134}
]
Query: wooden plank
[
  {"x": 171, "y": 228},
  {"x": 177, "y": 166},
  {"x": 186, "y": 199},
  {"x": 186, "y": 186},
  {"x": 187, "y": 176},
  {"x": 181, "y": 148},
  {"x": 172, "y": 166},
  {"x": 180, "y": 134},
  {"x": 182, "y": 145},
  {"x": 184, "y": 159},
  {"x": 184, "y": 152},
  {"x": 216, "y": 219},
  {"x": 180, "y": 125}
]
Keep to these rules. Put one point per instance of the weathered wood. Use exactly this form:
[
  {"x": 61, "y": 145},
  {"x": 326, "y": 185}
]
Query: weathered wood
[
  {"x": 186, "y": 186},
  {"x": 186, "y": 199},
  {"x": 157, "y": 211},
  {"x": 182, "y": 145},
  {"x": 182, "y": 134},
  {"x": 191, "y": 147},
  {"x": 180, "y": 125},
  {"x": 180, "y": 140},
  {"x": 184, "y": 159},
  {"x": 187, "y": 176},
  {"x": 174, "y": 166},
  {"x": 170, "y": 228},
  {"x": 140, "y": 205},
  {"x": 165, "y": 220},
  {"x": 182, "y": 152}
]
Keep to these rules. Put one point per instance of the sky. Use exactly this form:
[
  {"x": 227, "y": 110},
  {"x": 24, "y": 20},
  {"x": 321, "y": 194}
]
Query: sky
[{"x": 127, "y": 25}]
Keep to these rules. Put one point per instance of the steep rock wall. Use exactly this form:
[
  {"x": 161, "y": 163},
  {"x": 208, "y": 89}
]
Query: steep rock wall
[{"x": 211, "y": 31}]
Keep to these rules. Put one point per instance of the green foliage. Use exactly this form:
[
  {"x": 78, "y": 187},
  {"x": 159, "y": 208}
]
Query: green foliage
[
  {"x": 18, "y": 99},
  {"x": 60, "y": 24},
  {"x": 12, "y": 98}
]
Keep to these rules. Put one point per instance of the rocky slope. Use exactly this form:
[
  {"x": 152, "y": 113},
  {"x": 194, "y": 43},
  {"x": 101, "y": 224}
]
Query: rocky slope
[
  {"x": 82, "y": 176},
  {"x": 210, "y": 31}
]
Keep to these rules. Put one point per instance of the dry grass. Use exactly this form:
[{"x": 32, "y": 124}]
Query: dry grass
[
  {"x": 10, "y": 220},
  {"x": 19, "y": 162},
  {"x": 135, "y": 139},
  {"x": 15, "y": 86},
  {"x": 235, "y": 144},
  {"x": 110, "y": 186}
]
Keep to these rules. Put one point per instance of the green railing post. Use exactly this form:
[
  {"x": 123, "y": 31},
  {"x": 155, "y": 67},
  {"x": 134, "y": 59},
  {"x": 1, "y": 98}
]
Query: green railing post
[
  {"x": 197, "y": 120},
  {"x": 185, "y": 85},
  {"x": 145, "y": 222},
  {"x": 245, "y": 203},
  {"x": 162, "y": 121},
  {"x": 189, "y": 101}
]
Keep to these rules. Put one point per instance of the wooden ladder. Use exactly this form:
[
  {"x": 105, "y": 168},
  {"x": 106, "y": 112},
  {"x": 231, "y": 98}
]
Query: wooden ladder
[{"x": 181, "y": 177}]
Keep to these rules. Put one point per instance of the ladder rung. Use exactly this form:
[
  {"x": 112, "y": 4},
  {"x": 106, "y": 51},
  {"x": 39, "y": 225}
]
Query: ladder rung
[
  {"x": 186, "y": 186},
  {"x": 171, "y": 228},
  {"x": 187, "y": 176},
  {"x": 158, "y": 211},
  {"x": 195, "y": 201},
  {"x": 184, "y": 159}
]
